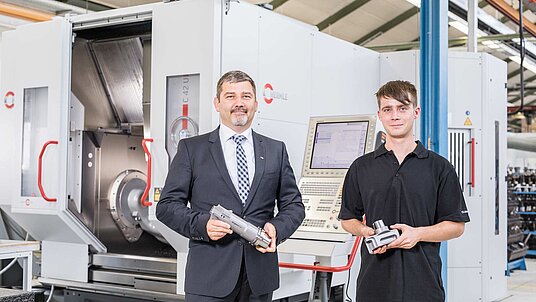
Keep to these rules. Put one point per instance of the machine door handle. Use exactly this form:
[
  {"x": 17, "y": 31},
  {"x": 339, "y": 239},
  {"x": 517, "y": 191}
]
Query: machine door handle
[
  {"x": 144, "y": 201},
  {"x": 473, "y": 162},
  {"x": 328, "y": 269},
  {"x": 40, "y": 171}
]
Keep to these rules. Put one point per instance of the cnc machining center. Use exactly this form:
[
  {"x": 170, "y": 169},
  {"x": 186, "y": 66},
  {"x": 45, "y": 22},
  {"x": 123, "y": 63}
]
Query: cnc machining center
[{"x": 98, "y": 103}]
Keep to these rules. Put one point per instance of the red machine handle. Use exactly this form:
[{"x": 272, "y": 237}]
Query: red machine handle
[
  {"x": 40, "y": 171},
  {"x": 328, "y": 269},
  {"x": 472, "y": 163},
  {"x": 149, "y": 168}
]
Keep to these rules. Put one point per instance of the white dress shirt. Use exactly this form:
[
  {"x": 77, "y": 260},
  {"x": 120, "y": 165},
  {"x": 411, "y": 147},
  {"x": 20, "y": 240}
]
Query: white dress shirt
[{"x": 228, "y": 146}]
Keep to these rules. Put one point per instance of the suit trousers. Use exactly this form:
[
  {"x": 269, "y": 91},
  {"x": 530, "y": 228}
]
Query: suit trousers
[{"x": 241, "y": 292}]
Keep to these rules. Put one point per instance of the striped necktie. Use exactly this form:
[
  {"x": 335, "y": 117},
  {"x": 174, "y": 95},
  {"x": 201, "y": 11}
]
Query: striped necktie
[{"x": 241, "y": 168}]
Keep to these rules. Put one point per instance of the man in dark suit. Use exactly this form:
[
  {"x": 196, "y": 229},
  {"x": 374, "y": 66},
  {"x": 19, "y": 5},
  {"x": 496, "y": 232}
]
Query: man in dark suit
[{"x": 244, "y": 172}]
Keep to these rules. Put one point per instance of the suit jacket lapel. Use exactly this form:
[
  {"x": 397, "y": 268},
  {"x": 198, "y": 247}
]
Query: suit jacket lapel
[
  {"x": 219, "y": 159},
  {"x": 260, "y": 161}
]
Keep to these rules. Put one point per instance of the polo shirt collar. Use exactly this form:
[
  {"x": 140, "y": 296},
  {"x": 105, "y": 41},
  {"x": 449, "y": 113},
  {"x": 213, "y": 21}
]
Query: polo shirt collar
[
  {"x": 380, "y": 151},
  {"x": 420, "y": 151}
]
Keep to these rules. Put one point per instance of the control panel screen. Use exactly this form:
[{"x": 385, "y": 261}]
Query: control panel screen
[{"x": 337, "y": 144}]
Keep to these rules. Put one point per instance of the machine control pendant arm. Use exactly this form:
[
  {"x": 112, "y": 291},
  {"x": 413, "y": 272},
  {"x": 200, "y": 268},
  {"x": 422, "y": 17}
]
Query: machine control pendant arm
[
  {"x": 328, "y": 269},
  {"x": 40, "y": 171}
]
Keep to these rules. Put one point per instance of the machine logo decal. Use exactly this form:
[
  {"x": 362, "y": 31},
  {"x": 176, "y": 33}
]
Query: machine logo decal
[
  {"x": 270, "y": 94},
  {"x": 267, "y": 91},
  {"x": 9, "y": 100}
]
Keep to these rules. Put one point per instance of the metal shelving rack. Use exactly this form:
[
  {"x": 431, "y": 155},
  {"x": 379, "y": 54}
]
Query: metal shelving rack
[
  {"x": 521, "y": 216},
  {"x": 532, "y": 249}
]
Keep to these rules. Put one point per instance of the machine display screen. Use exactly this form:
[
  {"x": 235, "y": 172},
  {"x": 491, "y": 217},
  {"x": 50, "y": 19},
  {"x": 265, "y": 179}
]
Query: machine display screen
[{"x": 337, "y": 144}]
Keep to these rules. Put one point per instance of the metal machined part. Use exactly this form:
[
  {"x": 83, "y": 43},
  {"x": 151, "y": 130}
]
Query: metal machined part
[
  {"x": 379, "y": 227},
  {"x": 383, "y": 236},
  {"x": 255, "y": 235},
  {"x": 126, "y": 188}
]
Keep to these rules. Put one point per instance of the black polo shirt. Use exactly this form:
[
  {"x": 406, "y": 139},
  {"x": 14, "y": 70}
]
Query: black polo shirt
[{"x": 422, "y": 191}]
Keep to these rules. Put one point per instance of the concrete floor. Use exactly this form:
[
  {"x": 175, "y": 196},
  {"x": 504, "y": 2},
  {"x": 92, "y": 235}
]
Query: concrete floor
[{"x": 522, "y": 284}]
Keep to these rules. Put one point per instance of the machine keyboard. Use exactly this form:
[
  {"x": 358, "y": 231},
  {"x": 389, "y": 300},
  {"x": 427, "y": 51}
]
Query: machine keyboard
[
  {"x": 320, "y": 188},
  {"x": 314, "y": 223}
]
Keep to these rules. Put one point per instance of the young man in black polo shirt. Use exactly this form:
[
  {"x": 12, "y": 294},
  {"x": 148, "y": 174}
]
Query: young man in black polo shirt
[{"x": 411, "y": 189}]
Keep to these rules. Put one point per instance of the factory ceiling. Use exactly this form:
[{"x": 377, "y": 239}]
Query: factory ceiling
[{"x": 386, "y": 25}]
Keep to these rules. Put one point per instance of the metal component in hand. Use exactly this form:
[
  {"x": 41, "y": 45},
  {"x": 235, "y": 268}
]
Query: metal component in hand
[
  {"x": 256, "y": 236},
  {"x": 383, "y": 236}
]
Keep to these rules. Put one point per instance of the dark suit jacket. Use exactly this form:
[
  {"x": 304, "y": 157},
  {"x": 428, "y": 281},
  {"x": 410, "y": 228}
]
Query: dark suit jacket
[{"x": 198, "y": 175}]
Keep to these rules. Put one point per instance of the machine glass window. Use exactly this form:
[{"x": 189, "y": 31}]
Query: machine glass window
[
  {"x": 182, "y": 109},
  {"x": 34, "y": 134}
]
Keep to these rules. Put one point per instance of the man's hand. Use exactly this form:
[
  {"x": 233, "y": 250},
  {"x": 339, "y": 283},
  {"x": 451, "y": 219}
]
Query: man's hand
[
  {"x": 366, "y": 231},
  {"x": 216, "y": 229},
  {"x": 271, "y": 232},
  {"x": 409, "y": 238}
]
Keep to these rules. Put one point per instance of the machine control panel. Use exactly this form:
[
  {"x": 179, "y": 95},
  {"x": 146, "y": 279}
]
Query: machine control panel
[
  {"x": 322, "y": 200},
  {"x": 333, "y": 143}
]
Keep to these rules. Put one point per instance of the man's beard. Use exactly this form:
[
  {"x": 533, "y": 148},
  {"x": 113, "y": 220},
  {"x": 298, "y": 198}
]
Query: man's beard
[{"x": 241, "y": 120}]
